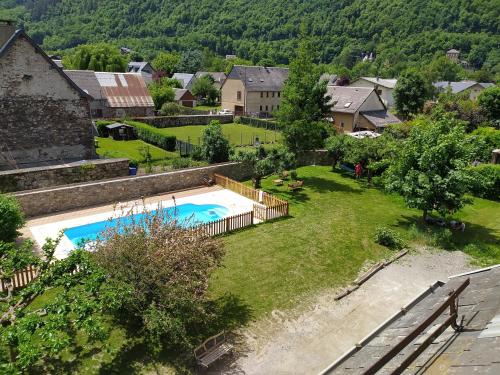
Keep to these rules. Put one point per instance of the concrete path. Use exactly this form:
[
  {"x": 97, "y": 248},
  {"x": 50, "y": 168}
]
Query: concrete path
[{"x": 307, "y": 342}]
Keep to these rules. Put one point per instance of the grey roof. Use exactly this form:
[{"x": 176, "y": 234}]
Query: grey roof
[
  {"x": 390, "y": 83},
  {"x": 380, "y": 118},
  {"x": 474, "y": 350},
  {"x": 457, "y": 87},
  {"x": 139, "y": 66},
  {"x": 453, "y": 50},
  {"x": 348, "y": 99},
  {"x": 87, "y": 81},
  {"x": 179, "y": 93},
  {"x": 217, "y": 76},
  {"x": 260, "y": 78},
  {"x": 118, "y": 125},
  {"x": 184, "y": 78}
]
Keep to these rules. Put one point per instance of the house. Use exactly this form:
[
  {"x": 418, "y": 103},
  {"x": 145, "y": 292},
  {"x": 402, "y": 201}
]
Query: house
[
  {"x": 384, "y": 87},
  {"x": 45, "y": 116},
  {"x": 115, "y": 95},
  {"x": 452, "y": 327},
  {"x": 218, "y": 77},
  {"x": 473, "y": 87},
  {"x": 186, "y": 79},
  {"x": 185, "y": 98},
  {"x": 453, "y": 55},
  {"x": 253, "y": 90},
  {"x": 358, "y": 108},
  {"x": 143, "y": 67}
]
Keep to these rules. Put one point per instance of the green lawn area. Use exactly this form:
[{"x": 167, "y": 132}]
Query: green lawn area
[
  {"x": 328, "y": 238},
  {"x": 110, "y": 148},
  {"x": 237, "y": 134},
  {"x": 208, "y": 107}
]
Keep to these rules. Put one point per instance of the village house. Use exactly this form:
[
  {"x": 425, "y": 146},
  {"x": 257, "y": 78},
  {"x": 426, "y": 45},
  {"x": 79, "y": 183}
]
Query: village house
[
  {"x": 358, "y": 109},
  {"x": 218, "y": 77},
  {"x": 253, "y": 90},
  {"x": 384, "y": 87},
  {"x": 146, "y": 69},
  {"x": 45, "y": 116},
  {"x": 474, "y": 88},
  {"x": 185, "y": 98},
  {"x": 186, "y": 79},
  {"x": 453, "y": 55},
  {"x": 115, "y": 95}
]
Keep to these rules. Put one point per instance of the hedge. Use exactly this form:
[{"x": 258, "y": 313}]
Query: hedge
[
  {"x": 152, "y": 135},
  {"x": 486, "y": 181},
  {"x": 259, "y": 123}
]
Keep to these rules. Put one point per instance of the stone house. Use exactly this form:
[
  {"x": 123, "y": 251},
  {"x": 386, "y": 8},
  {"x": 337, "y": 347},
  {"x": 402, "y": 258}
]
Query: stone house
[
  {"x": 185, "y": 98},
  {"x": 253, "y": 90},
  {"x": 358, "y": 109},
  {"x": 115, "y": 95},
  {"x": 44, "y": 115},
  {"x": 453, "y": 55},
  {"x": 384, "y": 87},
  {"x": 474, "y": 88}
]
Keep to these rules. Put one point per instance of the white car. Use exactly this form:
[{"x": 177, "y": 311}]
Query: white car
[{"x": 225, "y": 112}]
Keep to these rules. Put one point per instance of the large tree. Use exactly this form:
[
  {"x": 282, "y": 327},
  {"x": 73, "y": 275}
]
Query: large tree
[
  {"x": 166, "y": 62},
  {"x": 411, "y": 92},
  {"x": 215, "y": 147},
  {"x": 101, "y": 57},
  {"x": 489, "y": 99},
  {"x": 203, "y": 87},
  {"x": 430, "y": 170}
]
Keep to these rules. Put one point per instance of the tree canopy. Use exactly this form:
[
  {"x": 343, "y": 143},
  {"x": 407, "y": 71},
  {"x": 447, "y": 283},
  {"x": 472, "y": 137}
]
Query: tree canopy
[{"x": 101, "y": 57}]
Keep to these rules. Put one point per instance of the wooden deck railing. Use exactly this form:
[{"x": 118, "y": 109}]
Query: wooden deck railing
[{"x": 267, "y": 207}]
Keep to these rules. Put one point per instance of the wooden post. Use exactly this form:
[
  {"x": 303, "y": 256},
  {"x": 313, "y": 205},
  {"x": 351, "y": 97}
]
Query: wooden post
[{"x": 228, "y": 223}]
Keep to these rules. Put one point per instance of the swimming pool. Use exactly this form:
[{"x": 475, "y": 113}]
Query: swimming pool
[{"x": 184, "y": 213}]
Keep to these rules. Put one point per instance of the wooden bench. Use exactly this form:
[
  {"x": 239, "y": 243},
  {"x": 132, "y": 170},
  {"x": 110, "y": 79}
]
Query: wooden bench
[
  {"x": 296, "y": 185},
  {"x": 212, "y": 349}
]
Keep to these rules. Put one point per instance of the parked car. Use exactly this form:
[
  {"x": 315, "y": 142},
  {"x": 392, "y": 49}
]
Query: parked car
[{"x": 225, "y": 112}]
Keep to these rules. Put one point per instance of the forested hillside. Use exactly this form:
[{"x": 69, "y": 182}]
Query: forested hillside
[{"x": 398, "y": 32}]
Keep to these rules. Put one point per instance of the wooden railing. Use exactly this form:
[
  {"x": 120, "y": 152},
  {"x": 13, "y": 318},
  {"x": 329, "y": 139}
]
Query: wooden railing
[
  {"x": 229, "y": 223},
  {"x": 267, "y": 207},
  {"x": 20, "y": 279}
]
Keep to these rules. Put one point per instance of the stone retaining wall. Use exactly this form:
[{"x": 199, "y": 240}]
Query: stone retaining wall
[
  {"x": 314, "y": 157},
  {"x": 62, "y": 174},
  {"x": 175, "y": 121},
  {"x": 46, "y": 201}
]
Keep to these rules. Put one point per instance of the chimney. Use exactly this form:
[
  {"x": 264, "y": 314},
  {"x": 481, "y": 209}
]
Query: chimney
[{"x": 7, "y": 28}]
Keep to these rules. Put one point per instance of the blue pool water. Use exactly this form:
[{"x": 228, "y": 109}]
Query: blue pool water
[{"x": 184, "y": 213}]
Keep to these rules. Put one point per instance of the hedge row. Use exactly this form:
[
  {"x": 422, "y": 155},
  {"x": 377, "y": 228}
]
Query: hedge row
[
  {"x": 486, "y": 181},
  {"x": 152, "y": 135},
  {"x": 259, "y": 123}
]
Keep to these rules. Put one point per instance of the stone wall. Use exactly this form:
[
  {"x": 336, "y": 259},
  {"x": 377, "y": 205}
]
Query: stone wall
[
  {"x": 46, "y": 201},
  {"x": 43, "y": 177},
  {"x": 174, "y": 121},
  {"x": 43, "y": 118},
  {"x": 315, "y": 157}
]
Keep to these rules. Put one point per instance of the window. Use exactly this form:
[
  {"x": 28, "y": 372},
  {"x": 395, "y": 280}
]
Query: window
[
  {"x": 238, "y": 95},
  {"x": 261, "y": 108},
  {"x": 279, "y": 94},
  {"x": 272, "y": 108},
  {"x": 347, "y": 105},
  {"x": 342, "y": 125},
  {"x": 267, "y": 109},
  {"x": 379, "y": 92},
  {"x": 273, "y": 94},
  {"x": 267, "y": 94},
  {"x": 262, "y": 94}
]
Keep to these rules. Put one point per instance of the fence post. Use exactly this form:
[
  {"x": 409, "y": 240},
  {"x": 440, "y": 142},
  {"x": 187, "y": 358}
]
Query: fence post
[
  {"x": 251, "y": 215},
  {"x": 227, "y": 223}
]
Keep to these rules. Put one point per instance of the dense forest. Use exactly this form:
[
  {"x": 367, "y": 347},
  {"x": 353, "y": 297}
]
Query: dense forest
[{"x": 398, "y": 32}]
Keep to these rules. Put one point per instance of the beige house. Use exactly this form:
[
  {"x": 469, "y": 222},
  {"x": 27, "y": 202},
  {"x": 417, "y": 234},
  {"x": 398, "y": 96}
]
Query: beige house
[
  {"x": 472, "y": 87},
  {"x": 253, "y": 90},
  {"x": 358, "y": 108},
  {"x": 384, "y": 87}
]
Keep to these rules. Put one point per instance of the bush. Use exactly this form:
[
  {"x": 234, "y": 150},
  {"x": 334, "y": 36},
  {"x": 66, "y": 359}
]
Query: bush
[
  {"x": 293, "y": 175},
  {"x": 257, "y": 123},
  {"x": 486, "y": 181},
  {"x": 180, "y": 163},
  {"x": 133, "y": 163},
  {"x": 387, "y": 237},
  {"x": 150, "y": 134},
  {"x": 170, "y": 109},
  {"x": 11, "y": 218},
  {"x": 215, "y": 148},
  {"x": 101, "y": 128}
]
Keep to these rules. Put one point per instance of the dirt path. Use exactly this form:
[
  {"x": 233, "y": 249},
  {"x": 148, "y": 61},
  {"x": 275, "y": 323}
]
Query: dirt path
[{"x": 307, "y": 342}]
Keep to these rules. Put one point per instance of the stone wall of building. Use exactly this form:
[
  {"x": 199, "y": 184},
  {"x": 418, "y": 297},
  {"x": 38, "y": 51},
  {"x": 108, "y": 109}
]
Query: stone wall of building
[
  {"x": 174, "y": 121},
  {"x": 46, "y": 201},
  {"x": 56, "y": 175},
  {"x": 314, "y": 157},
  {"x": 44, "y": 119}
]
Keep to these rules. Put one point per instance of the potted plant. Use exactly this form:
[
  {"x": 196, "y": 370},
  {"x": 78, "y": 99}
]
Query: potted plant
[{"x": 132, "y": 167}]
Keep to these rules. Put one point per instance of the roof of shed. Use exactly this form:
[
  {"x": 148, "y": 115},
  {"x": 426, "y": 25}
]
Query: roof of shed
[
  {"x": 348, "y": 99},
  {"x": 474, "y": 350},
  {"x": 124, "y": 89},
  {"x": 380, "y": 119},
  {"x": 260, "y": 78}
]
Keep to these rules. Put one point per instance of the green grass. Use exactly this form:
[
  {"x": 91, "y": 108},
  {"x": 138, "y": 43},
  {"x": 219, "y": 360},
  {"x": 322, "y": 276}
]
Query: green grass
[
  {"x": 110, "y": 148},
  {"x": 236, "y": 133},
  {"x": 329, "y": 237},
  {"x": 208, "y": 107}
]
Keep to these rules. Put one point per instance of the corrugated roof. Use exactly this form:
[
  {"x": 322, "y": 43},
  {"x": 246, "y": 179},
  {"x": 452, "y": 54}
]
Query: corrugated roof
[
  {"x": 385, "y": 82},
  {"x": 124, "y": 89},
  {"x": 346, "y": 98},
  {"x": 260, "y": 78},
  {"x": 380, "y": 118},
  {"x": 87, "y": 81}
]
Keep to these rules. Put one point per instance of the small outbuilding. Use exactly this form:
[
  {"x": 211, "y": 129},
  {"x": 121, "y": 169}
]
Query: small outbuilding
[
  {"x": 120, "y": 132},
  {"x": 185, "y": 98}
]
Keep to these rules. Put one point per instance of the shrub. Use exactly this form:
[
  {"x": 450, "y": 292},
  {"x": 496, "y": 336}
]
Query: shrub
[
  {"x": 387, "y": 237},
  {"x": 486, "y": 181},
  {"x": 215, "y": 148},
  {"x": 101, "y": 128},
  {"x": 150, "y": 134},
  {"x": 133, "y": 163},
  {"x": 293, "y": 175},
  {"x": 170, "y": 109},
  {"x": 11, "y": 218},
  {"x": 180, "y": 163}
]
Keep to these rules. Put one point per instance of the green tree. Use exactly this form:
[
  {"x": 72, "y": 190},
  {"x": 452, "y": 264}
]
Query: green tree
[
  {"x": 483, "y": 141},
  {"x": 410, "y": 93},
  {"x": 443, "y": 69},
  {"x": 166, "y": 62},
  {"x": 203, "y": 87},
  {"x": 190, "y": 62},
  {"x": 161, "y": 92},
  {"x": 489, "y": 99},
  {"x": 215, "y": 147},
  {"x": 337, "y": 146},
  {"x": 430, "y": 171},
  {"x": 101, "y": 57},
  {"x": 11, "y": 218}
]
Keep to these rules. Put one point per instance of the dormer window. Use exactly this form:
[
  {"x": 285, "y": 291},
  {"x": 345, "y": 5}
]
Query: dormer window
[{"x": 347, "y": 105}]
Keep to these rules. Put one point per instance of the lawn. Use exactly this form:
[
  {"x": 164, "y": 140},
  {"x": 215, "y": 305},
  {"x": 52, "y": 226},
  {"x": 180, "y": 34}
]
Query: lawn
[
  {"x": 329, "y": 237},
  {"x": 236, "y": 133},
  {"x": 110, "y": 148}
]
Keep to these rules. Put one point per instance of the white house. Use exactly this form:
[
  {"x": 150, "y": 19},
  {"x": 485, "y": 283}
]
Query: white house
[{"x": 384, "y": 87}]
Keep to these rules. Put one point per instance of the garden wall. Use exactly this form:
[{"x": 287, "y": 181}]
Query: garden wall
[
  {"x": 46, "y": 201},
  {"x": 175, "y": 121},
  {"x": 62, "y": 174},
  {"x": 314, "y": 157}
]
